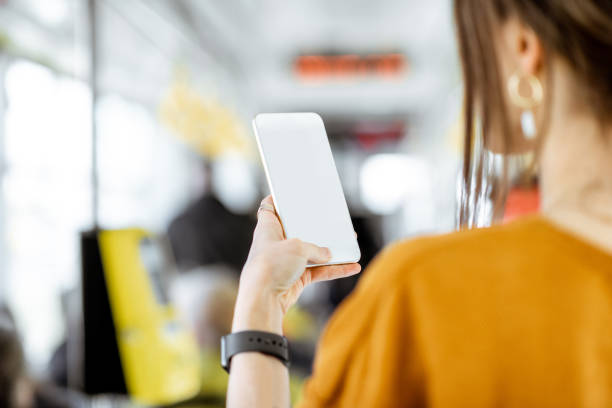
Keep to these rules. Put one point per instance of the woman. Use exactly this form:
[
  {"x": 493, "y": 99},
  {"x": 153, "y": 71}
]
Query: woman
[{"x": 517, "y": 315}]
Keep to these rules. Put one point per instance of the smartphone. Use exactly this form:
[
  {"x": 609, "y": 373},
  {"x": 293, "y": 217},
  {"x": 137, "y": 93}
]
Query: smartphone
[{"x": 304, "y": 182}]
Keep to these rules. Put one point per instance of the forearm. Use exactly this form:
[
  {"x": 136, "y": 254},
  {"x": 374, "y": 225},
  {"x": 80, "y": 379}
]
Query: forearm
[{"x": 257, "y": 380}]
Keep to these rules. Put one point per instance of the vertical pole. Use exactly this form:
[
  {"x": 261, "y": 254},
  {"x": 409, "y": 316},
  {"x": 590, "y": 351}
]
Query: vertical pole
[
  {"x": 4, "y": 260},
  {"x": 76, "y": 329},
  {"x": 93, "y": 78}
]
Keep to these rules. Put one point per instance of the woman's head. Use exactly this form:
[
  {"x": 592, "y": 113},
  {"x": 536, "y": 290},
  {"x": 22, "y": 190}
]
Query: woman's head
[{"x": 562, "y": 46}]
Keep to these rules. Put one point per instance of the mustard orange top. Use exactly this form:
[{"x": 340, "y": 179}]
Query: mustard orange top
[{"x": 512, "y": 316}]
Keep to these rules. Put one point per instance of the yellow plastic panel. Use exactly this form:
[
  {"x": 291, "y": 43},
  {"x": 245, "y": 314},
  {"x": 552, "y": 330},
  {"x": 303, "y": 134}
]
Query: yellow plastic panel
[{"x": 159, "y": 355}]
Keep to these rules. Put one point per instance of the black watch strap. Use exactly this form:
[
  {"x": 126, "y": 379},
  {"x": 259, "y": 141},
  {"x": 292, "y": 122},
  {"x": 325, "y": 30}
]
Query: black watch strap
[{"x": 253, "y": 340}]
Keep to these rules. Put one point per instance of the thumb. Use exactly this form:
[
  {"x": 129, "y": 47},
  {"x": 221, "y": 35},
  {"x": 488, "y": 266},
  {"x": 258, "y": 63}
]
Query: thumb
[
  {"x": 330, "y": 272},
  {"x": 314, "y": 253}
]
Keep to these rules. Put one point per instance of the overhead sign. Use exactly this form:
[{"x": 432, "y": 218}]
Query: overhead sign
[{"x": 335, "y": 66}]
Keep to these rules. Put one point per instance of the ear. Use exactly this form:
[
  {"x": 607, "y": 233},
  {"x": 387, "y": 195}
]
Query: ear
[{"x": 524, "y": 47}]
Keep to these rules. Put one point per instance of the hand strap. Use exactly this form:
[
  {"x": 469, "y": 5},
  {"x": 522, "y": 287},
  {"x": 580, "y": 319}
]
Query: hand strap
[{"x": 252, "y": 340}]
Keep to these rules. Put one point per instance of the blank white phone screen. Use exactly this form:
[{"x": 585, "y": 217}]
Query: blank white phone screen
[{"x": 304, "y": 182}]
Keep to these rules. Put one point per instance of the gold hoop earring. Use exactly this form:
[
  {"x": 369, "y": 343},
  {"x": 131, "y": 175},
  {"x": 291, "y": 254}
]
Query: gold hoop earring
[{"x": 526, "y": 102}]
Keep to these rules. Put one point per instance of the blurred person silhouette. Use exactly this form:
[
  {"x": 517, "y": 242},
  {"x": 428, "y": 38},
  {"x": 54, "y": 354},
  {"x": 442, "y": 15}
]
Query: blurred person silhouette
[
  {"x": 205, "y": 298},
  {"x": 517, "y": 315},
  {"x": 208, "y": 233},
  {"x": 14, "y": 391},
  {"x": 17, "y": 389}
]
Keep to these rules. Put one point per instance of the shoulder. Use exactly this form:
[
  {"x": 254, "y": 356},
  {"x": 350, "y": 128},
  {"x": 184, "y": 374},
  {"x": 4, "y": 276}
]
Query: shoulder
[{"x": 461, "y": 252}]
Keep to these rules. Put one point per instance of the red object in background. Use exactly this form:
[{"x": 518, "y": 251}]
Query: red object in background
[
  {"x": 371, "y": 134},
  {"x": 521, "y": 202},
  {"x": 349, "y": 66}
]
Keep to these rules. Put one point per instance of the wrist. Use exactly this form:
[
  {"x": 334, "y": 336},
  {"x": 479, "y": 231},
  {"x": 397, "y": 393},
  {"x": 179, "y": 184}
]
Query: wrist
[{"x": 257, "y": 310}]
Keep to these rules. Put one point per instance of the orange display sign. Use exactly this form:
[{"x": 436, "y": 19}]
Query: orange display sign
[{"x": 349, "y": 66}]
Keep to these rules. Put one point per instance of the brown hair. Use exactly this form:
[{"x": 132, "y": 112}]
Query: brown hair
[{"x": 579, "y": 31}]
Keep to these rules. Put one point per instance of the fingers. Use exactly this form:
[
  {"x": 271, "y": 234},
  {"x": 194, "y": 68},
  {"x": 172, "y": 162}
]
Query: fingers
[
  {"x": 267, "y": 203},
  {"x": 268, "y": 227},
  {"x": 323, "y": 273},
  {"x": 266, "y": 209},
  {"x": 268, "y": 200}
]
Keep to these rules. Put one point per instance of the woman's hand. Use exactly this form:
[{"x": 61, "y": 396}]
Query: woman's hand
[
  {"x": 272, "y": 279},
  {"x": 275, "y": 273}
]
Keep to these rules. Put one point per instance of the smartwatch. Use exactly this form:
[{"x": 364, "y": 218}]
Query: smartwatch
[{"x": 252, "y": 340}]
